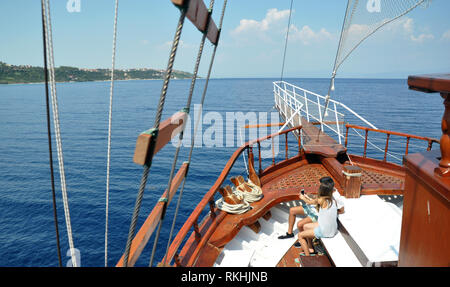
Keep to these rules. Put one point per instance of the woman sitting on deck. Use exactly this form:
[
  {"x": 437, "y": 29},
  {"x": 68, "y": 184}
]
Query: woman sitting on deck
[
  {"x": 326, "y": 225},
  {"x": 308, "y": 211}
]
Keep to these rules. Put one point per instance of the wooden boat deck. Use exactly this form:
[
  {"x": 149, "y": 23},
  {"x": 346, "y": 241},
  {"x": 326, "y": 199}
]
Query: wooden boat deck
[
  {"x": 282, "y": 183},
  {"x": 289, "y": 260},
  {"x": 284, "y": 187}
]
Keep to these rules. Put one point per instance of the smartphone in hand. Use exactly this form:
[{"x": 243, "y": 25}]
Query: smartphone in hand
[{"x": 302, "y": 192}]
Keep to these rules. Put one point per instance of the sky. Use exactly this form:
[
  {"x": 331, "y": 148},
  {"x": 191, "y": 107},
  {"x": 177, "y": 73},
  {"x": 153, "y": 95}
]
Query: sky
[{"x": 252, "y": 41}]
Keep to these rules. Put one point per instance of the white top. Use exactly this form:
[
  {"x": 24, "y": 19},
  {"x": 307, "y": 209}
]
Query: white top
[
  {"x": 339, "y": 199},
  {"x": 327, "y": 220}
]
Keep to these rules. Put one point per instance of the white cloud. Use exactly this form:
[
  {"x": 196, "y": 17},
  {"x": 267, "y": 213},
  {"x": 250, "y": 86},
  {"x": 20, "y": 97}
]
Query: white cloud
[
  {"x": 273, "y": 16},
  {"x": 274, "y": 25},
  {"x": 403, "y": 28},
  {"x": 307, "y": 35},
  {"x": 181, "y": 44},
  {"x": 446, "y": 35},
  {"x": 408, "y": 25},
  {"x": 421, "y": 38}
]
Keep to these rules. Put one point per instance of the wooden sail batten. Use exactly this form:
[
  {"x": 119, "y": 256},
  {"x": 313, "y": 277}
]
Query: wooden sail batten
[
  {"x": 141, "y": 239},
  {"x": 167, "y": 130},
  {"x": 200, "y": 16}
]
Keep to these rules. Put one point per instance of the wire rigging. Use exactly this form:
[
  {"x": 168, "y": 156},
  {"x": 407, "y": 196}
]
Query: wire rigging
[
  {"x": 286, "y": 43},
  {"x": 195, "y": 131},
  {"x": 49, "y": 136},
  {"x": 51, "y": 65},
  {"x": 108, "y": 164},
  {"x": 154, "y": 134},
  {"x": 181, "y": 135}
]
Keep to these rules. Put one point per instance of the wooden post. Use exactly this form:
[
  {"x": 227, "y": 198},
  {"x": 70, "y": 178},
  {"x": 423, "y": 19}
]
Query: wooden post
[
  {"x": 365, "y": 144},
  {"x": 259, "y": 159},
  {"x": 386, "y": 148},
  {"x": 346, "y": 137},
  {"x": 352, "y": 181},
  {"x": 426, "y": 202},
  {"x": 286, "y": 147},
  {"x": 212, "y": 205},
  {"x": 256, "y": 227},
  {"x": 444, "y": 164}
]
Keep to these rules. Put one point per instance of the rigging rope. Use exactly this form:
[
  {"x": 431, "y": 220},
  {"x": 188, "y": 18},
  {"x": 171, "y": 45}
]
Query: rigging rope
[
  {"x": 147, "y": 166},
  {"x": 233, "y": 208},
  {"x": 180, "y": 138},
  {"x": 252, "y": 196},
  {"x": 108, "y": 164},
  {"x": 286, "y": 43},
  {"x": 51, "y": 64},
  {"x": 246, "y": 196},
  {"x": 49, "y": 136},
  {"x": 196, "y": 129}
]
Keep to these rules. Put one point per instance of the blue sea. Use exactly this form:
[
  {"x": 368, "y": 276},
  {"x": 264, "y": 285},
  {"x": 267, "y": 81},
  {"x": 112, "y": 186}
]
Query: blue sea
[{"x": 27, "y": 234}]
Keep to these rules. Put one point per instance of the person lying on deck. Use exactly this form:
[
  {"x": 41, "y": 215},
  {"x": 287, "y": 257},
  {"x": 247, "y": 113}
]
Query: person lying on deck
[{"x": 306, "y": 209}]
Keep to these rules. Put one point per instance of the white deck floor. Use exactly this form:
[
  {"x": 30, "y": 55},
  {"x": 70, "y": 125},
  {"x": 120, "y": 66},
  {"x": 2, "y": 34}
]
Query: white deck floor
[
  {"x": 259, "y": 250},
  {"x": 375, "y": 226},
  {"x": 372, "y": 223}
]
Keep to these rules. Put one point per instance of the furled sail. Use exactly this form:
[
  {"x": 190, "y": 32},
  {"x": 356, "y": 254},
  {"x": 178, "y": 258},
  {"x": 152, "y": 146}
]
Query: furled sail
[{"x": 362, "y": 19}]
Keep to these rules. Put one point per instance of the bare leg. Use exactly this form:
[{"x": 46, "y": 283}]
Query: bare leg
[
  {"x": 302, "y": 222},
  {"x": 298, "y": 210},
  {"x": 305, "y": 237}
]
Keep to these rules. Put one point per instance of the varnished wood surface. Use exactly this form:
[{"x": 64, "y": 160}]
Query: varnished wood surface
[
  {"x": 317, "y": 142},
  {"x": 426, "y": 213},
  {"x": 140, "y": 240},
  {"x": 198, "y": 14},
  {"x": 168, "y": 129},
  {"x": 284, "y": 185},
  {"x": 194, "y": 247},
  {"x": 422, "y": 165},
  {"x": 431, "y": 83},
  {"x": 293, "y": 253}
]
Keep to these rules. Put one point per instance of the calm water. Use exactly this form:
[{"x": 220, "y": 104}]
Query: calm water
[{"x": 27, "y": 236}]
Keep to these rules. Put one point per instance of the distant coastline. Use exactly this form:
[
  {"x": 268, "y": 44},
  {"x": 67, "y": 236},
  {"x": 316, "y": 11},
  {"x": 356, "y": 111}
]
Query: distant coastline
[{"x": 26, "y": 74}]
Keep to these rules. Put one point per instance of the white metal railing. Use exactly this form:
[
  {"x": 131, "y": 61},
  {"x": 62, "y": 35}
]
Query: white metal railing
[
  {"x": 291, "y": 100},
  {"x": 311, "y": 105}
]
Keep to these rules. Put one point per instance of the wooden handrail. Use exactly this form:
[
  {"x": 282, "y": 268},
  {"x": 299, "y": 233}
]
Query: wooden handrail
[
  {"x": 264, "y": 125},
  {"x": 388, "y": 133},
  {"x": 327, "y": 123},
  {"x": 391, "y": 133},
  {"x": 193, "y": 218}
]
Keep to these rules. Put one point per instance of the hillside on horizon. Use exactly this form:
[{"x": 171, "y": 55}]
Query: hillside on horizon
[{"x": 15, "y": 74}]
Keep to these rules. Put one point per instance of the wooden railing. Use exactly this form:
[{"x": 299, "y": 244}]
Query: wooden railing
[
  {"x": 388, "y": 135},
  {"x": 208, "y": 199}
]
